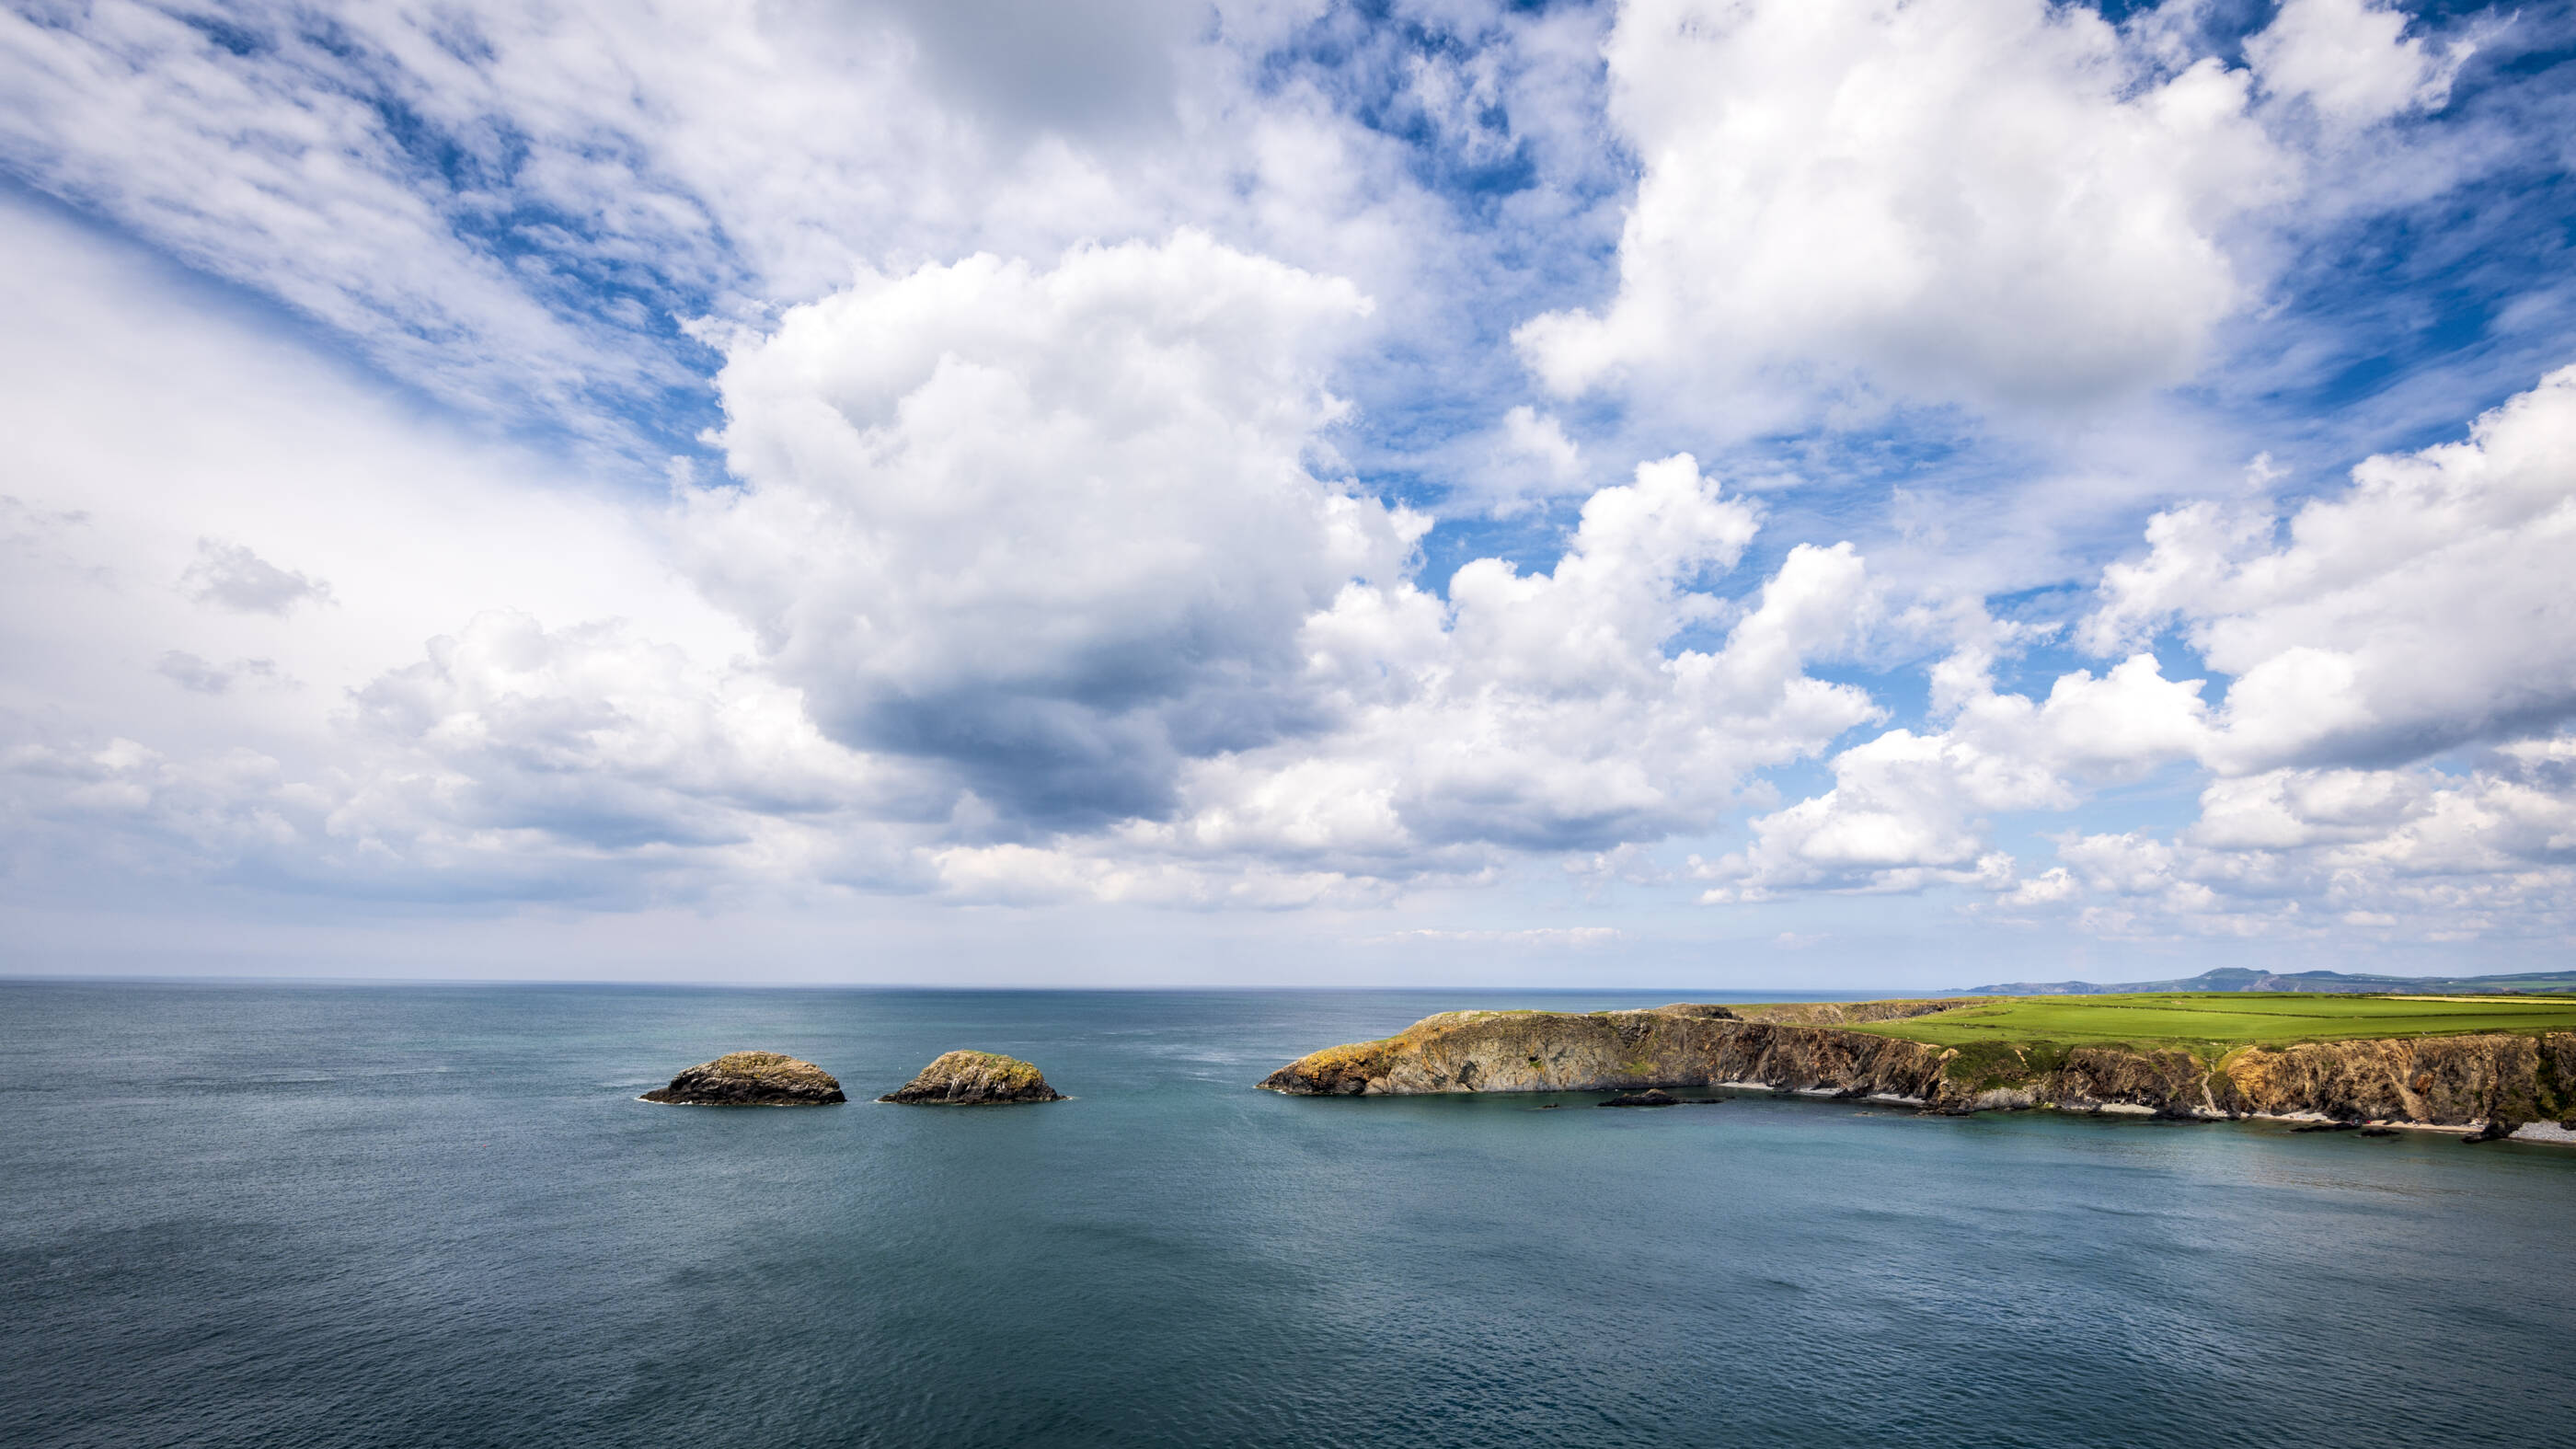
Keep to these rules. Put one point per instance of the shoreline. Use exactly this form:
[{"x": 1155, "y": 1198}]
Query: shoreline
[
  {"x": 2548, "y": 1134},
  {"x": 2544, "y": 1133}
]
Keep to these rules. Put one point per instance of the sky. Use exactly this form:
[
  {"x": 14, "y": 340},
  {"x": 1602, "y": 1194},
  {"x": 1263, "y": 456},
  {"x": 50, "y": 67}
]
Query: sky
[{"x": 1745, "y": 494}]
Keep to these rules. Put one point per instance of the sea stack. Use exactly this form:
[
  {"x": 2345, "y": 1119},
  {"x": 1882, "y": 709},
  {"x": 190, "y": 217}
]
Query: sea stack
[
  {"x": 968, "y": 1079},
  {"x": 751, "y": 1079}
]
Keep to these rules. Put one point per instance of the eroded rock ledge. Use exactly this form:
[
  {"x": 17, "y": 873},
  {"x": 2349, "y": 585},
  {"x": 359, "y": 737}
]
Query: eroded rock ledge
[
  {"x": 751, "y": 1079},
  {"x": 2494, "y": 1080},
  {"x": 966, "y": 1079}
]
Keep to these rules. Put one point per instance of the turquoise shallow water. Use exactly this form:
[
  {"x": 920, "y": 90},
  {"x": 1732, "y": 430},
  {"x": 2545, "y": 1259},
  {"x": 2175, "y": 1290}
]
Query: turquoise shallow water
[{"x": 312, "y": 1216}]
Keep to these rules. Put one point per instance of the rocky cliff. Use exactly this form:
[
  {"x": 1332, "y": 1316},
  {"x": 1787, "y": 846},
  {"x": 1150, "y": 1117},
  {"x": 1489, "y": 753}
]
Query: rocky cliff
[
  {"x": 751, "y": 1079},
  {"x": 966, "y": 1079},
  {"x": 2498, "y": 1079},
  {"x": 1667, "y": 1046}
]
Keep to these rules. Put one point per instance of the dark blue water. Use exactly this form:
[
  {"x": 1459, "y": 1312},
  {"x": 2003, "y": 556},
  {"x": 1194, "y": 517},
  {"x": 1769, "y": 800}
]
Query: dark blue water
[{"x": 321, "y": 1216}]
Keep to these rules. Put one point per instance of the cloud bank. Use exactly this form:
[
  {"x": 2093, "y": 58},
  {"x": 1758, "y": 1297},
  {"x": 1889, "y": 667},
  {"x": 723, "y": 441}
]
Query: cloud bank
[{"x": 1460, "y": 477}]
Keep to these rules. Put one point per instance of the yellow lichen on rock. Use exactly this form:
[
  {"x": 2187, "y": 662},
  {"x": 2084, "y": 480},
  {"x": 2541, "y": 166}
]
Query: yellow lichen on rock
[
  {"x": 968, "y": 1078},
  {"x": 751, "y": 1079}
]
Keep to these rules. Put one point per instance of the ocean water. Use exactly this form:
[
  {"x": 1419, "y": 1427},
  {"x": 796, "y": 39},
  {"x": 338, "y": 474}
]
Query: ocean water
[{"x": 423, "y": 1216}]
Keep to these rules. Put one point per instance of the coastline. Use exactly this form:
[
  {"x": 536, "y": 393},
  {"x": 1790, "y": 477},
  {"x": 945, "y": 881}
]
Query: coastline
[
  {"x": 2286, "y": 1061},
  {"x": 2549, "y": 1134}
]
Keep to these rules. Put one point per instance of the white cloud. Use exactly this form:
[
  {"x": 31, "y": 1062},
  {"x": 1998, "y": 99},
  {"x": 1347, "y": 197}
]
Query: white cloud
[
  {"x": 1543, "y": 711},
  {"x": 1957, "y": 200},
  {"x": 1538, "y": 712},
  {"x": 233, "y": 577},
  {"x": 2351, "y": 60},
  {"x": 1530, "y": 457},
  {"x": 2425, "y": 606},
  {"x": 513, "y": 762},
  {"x": 1055, "y": 528},
  {"x": 996, "y": 525},
  {"x": 510, "y": 206},
  {"x": 255, "y": 738},
  {"x": 1909, "y": 810},
  {"x": 2396, "y": 854},
  {"x": 1056, "y": 566}
]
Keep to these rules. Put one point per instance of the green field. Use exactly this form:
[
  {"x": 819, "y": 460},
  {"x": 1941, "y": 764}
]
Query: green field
[{"x": 2211, "y": 1023}]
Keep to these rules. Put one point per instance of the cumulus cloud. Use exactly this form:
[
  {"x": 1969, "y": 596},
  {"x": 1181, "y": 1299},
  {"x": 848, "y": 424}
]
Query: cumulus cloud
[
  {"x": 2423, "y": 607},
  {"x": 1051, "y": 564},
  {"x": 1525, "y": 712},
  {"x": 1908, "y": 810},
  {"x": 2394, "y": 854},
  {"x": 1055, "y": 528},
  {"x": 2351, "y": 60},
  {"x": 1957, "y": 200},
  {"x": 1539, "y": 712},
  {"x": 1529, "y": 457}
]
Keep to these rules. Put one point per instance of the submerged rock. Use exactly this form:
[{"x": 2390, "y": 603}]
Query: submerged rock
[
  {"x": 1647, "y": 1098},
  {"x": 751, "y": 1079},
  {"x": 966, "y": 1079}
]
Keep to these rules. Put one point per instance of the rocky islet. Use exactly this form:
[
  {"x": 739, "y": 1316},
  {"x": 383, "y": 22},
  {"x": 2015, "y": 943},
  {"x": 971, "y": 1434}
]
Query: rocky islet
[
  {"x": 751, "y": 1079},
  {"x": 974, "y": 1079}
]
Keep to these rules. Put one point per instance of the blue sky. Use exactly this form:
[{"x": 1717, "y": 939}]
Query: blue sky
[{"x": 1147, "y": 490}]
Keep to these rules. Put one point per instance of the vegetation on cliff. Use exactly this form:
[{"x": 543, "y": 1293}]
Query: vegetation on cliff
[{"x": 2211, "y": 1024}]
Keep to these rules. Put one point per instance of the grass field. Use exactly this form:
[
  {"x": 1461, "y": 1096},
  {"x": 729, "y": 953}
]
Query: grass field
[{"x": 2215, "y": 1022}]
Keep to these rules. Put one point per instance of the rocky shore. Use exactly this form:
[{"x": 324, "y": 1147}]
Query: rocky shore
[
  {"x": 2495, "y": 1082},
  {"x": 751, "y": 1079},
  {"x": 966, "y": 1079}
]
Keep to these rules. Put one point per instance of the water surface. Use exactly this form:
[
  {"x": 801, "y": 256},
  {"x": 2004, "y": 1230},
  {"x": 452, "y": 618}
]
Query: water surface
[{"x": 421, "y": 1215}]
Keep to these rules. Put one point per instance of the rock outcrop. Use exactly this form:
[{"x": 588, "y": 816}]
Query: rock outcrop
[
  {"x": 2496, "y": 1080},
  {"x": 2450, "y": 1080},
  {"x": 1666, "y": 1046},
  {"x": 751, "y": 1079},
  {"x": 966, "y": 1079}
]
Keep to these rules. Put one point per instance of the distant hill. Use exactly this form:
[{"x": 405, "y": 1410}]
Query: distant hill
[{"x": 2239, "y": 978}]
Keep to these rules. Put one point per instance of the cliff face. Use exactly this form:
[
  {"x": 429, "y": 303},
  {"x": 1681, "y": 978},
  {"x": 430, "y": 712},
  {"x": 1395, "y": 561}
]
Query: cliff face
[
  {"x": 1669, "y": 1046},
  {"x": 2451, "y": 1081}
]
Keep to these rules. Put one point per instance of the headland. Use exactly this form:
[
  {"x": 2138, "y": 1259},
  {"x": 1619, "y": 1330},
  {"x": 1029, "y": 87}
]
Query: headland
[{"x": 2492, "y": 1066}]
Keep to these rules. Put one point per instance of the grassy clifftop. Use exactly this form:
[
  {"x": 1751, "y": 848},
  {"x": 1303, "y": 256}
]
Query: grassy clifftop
[{"x": 2211, "y": 1024}]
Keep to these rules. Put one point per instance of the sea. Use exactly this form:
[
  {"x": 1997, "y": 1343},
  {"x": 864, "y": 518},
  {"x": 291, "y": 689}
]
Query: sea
[{"x": 430, "y": 1215}]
